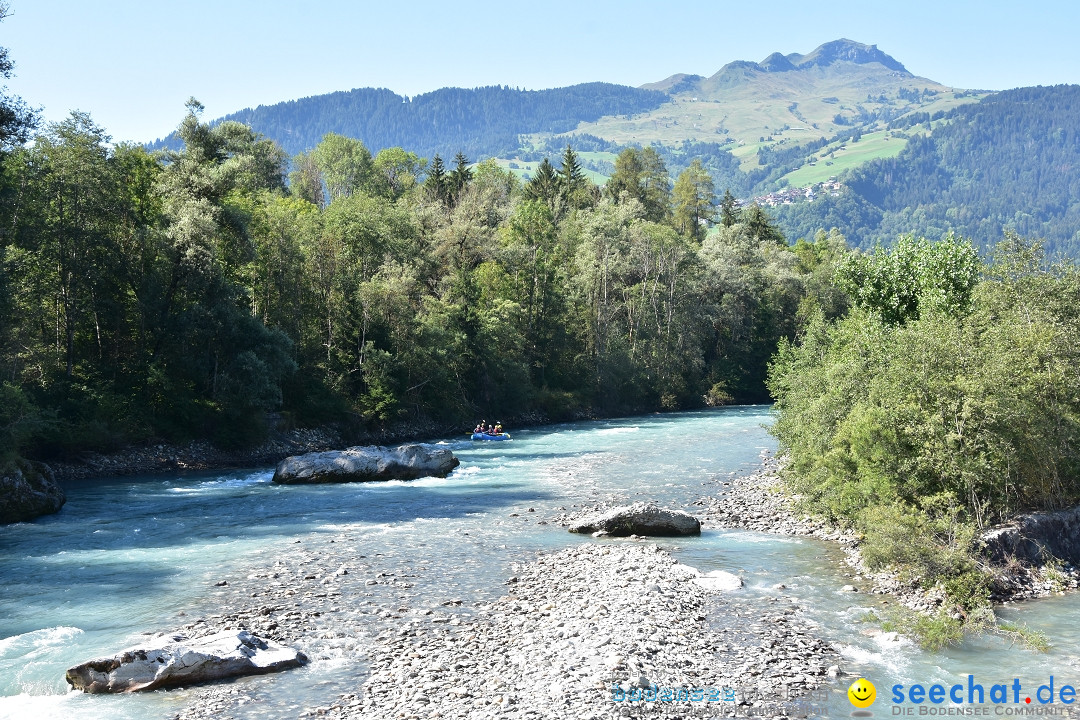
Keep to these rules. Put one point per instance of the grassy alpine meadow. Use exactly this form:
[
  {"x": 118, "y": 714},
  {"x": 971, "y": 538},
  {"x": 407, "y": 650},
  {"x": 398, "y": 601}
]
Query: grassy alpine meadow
[
  {"x": 796, "y": 106},
  {"x": 834, "y": 159}
]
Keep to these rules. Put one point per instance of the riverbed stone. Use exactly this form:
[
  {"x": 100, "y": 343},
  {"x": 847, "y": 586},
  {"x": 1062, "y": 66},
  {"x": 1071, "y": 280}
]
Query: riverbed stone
[
  {"x": 28, "y": 490},
  {"x": 646, "y": 519},
  {"x": 367, "y": 463},
  {"x": 171, "y": 661}
]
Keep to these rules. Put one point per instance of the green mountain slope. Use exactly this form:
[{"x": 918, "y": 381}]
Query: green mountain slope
[
  {"x": 1009, "y": 161},
  {"x": 783, "y": 100},
  {"x": 753, "y": 124}
]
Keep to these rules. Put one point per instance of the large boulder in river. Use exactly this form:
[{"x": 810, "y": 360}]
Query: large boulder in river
[
  {"x": 175, "y": 660},
  {"x": 28, "y": 489},
  {"x": 364, "y": 464},
  {"x": 639, "y": 519}
]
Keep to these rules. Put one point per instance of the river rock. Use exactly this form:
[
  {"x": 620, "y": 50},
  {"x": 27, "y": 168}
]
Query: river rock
[
  {"x": 27, "y": 490},
  {"x": 367, "y": 463},
  {"x": 179, "y": 661},
  {"x": 639, "y": 519}
]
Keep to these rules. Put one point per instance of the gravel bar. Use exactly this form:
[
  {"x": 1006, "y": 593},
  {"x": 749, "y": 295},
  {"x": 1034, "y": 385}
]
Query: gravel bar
[{"x": 583, "y": 634}]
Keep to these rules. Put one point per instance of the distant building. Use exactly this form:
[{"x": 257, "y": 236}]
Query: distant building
[{"x": 789, "y": 196}]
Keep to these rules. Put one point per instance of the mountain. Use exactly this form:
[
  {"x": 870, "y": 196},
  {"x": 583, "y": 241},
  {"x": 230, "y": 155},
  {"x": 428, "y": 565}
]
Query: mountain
[
  {"x": 783, "y": 101},
  {"x": 846, "y": 51},
  {"x": 680, "y": 82},
  {"x": 481, "y": 122},
  {"x": 1010, "y": 161},
  {"x": 776, "y": 63},
  {"x": 831, "y": 53},
  {"x": 758, "y": 126},
  {"x": 787, "y": 99}
]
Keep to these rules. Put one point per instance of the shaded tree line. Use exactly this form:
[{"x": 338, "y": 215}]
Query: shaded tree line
[{"x": 190, "y": 293}]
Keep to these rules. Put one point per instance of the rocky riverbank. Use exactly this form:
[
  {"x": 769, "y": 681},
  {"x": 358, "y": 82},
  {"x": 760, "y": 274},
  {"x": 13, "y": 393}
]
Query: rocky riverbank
[
  {"x": 759, "y": 501},
  {"x": 198, "y": 455}
]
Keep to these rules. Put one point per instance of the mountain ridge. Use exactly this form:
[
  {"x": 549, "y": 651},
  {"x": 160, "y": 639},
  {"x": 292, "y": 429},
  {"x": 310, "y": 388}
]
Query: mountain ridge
[
  {"x": 824, "y": 55},
  {"x": 478, "y": 121},
  {"x": 750, "y": 123}
]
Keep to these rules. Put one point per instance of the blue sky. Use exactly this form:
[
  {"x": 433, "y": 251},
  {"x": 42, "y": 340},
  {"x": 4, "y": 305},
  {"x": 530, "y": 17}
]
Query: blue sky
[{"x": 133, "y": 63}]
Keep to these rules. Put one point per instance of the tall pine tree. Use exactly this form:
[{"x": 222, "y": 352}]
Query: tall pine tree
[
  {"x": 459, "y": 177},
  {"x": 436, "y": 182}
]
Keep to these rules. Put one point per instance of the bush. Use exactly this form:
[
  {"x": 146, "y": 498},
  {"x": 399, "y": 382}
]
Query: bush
[
  {"x": 928, "y": 549},
  {"x": 718, "y": 395},
  {"x": 936, "y": 407},
  {"x": 981, "y": 404},
  {"x": 933, "y": 632}
]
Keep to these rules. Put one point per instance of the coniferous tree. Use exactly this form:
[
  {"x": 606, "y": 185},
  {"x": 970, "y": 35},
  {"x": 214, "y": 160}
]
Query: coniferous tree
[
  {"x": 436, "y": 182},
  {"x": 694, "y": 199},
  {"x": 545, "y": 185},
  {"x": 571, "y": 176},
  {"x": 761, "y": 226},
  {"x": 729, "y": 209},
  {"x": 459, "y": 176}
]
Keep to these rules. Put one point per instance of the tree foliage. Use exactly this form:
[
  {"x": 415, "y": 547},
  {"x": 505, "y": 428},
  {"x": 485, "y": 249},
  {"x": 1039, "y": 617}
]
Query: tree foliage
[
  {"x": 641, "y": 176},
  {"x": 950, "y": 401},
  {"x": 912, "y": 277},
  {"x": 190, "y": 293},
  {"x": 693, "y": 197},
  {"x": 17, "y": 120}
]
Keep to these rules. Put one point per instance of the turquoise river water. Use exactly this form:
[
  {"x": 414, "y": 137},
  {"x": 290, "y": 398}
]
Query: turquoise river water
[{"x": 129, "y": 555}]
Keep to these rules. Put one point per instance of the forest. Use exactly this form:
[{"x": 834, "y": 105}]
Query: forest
[
  {"x": 1008, "y": 161},
  {"x": 481, "y": 122},
  {"x": 188, "y": 293}
]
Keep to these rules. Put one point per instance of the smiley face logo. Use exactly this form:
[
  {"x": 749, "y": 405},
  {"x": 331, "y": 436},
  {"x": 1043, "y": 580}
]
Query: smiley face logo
[{"x": 862, "y": 693}]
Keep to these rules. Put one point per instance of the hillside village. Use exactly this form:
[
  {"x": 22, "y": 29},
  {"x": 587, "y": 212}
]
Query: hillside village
[{"x": 792, "y": 195}]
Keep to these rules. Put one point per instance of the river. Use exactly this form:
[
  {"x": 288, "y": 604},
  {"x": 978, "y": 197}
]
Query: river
[{"x": 132, "y": 555}]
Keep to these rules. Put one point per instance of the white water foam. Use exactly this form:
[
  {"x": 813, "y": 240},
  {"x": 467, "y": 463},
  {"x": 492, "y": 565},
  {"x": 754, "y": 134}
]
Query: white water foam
[
  {"x": 759, "y": 538},
  {"x": 617, "y": 431},
  {"x": 225, "y": 482},
  {"x": 31, "y": 644}
]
